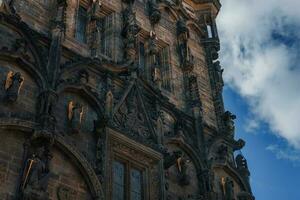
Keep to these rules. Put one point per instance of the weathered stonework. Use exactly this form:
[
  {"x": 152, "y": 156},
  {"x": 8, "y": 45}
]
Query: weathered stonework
[{"x": 142, "y": 85}]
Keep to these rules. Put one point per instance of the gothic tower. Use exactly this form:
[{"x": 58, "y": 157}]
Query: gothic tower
[{"x": 115, "y": 100}]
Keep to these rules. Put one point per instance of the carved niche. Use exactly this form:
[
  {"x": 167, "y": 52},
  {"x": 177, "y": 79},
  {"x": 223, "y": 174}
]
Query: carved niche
[
  {"x": 36, "y": 172},
  {"x": 180, "y": 174},
  {"x": 185, "y": 55},
  {"x": 75, "y": 116},
  {"x": 12, "y": 86},
  {"x": 227, "y": 188},
  {"x": 130, "y": 32}
]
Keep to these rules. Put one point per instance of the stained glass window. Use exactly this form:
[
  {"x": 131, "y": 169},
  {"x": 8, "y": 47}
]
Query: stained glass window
[
  {"x": 81, "y": 24},
  {"x": 118, "y": 181},
  {"x": 135, "y": 184}
]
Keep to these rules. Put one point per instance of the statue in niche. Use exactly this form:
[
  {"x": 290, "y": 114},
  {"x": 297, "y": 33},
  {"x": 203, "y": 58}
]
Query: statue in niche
[
  {"x": 182, "y": 166},
  {"x": 154, "y": 13},
  {"x": 157, "y": 77},
  {"x": 13, "y": 85},
  {"x": 93, "y": 8},
  {"x": 131, "y": 28},
  {"x": 186, "y": 58},
  {"x": 228, "y": 118},
  {"x": 171, "y": 159},
  {"x": 228, "y": 188},
  {"x": 219, "y": 73},
  {"x": 36, "y": 175},
  {"x": 154, "y": 59},
  {"x": 75, "y": 114}
]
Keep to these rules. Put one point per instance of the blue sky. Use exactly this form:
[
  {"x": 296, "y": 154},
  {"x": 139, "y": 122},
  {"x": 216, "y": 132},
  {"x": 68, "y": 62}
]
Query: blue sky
[{"x": 260, "y": 52}]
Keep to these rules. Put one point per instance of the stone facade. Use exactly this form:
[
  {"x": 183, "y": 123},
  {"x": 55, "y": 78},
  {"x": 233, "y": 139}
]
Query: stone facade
[{"x": 97, "y": 91}]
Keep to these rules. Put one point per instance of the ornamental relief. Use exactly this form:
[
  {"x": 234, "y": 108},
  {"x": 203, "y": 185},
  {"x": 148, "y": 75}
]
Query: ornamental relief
[
  {"x": 152, "y": 165},
  {"x": 133, "y": 154}
]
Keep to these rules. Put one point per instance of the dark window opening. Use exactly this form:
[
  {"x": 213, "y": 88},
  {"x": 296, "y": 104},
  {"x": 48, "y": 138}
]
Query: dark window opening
[{"x": 81, "y": 25}]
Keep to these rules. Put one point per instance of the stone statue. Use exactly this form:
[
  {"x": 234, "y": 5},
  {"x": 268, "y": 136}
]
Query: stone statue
[
  {"x": 153, "y": 50},
  {"x": 75, "y": 112},
  {"x": 228, "y": 118},
  {"x": 219, "y": 73},
  {"x": 241, "y": 162},
  {"x": 131, "y": 28},
  {"x": 13, "y": 85},
  {"x": 92, "y": 10},
  {"x": 186, "y": 58},
  {"x": 229, "y": 189},
  {"x": 171, "y": 159},
  {"x": 36, "y": 176},
  {"x": 182, "y": 167},
  {"x": 154, "y": 13},
  {"x": 157, "y": 77}
]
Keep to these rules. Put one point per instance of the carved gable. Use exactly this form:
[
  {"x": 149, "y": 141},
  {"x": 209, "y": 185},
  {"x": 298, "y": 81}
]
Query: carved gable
[{"x": 131, "y": 116}]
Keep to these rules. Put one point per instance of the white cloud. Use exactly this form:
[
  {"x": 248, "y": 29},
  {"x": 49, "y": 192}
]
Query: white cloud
[
  {"x": 262, "y": 69},
  {"x": 284, "y": 153}
]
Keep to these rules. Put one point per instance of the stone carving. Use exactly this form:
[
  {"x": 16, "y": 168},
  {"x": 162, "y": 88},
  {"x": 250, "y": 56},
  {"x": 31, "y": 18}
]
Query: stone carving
[
  {"x": 13, "y": 85},
  {"x": 206, "y": 178},
  {"x": 182, "y": 166},
  {"x": 228, "y": 118},
  {"x": 154, "y": 13},
  {"x": 222, "y": 153},
  {"x": 130, "y": 32},
  {"x": 93, "y": 8},
  {"x": 228, "y": 188},
  {"x": 36, "y": 174},
  {"x": 47, "y": 100},
  {"x": 171, "y": 159},
  {"x": 219, "y": 74},
  {"x": 238, "y": 145},
  {"x": 65, "y": 193},
  {"x": 186, "y": 58},
  {"x": 75, "y": 114},
  {"x": 131, "y": 117},
  {"x": 154, "y": 59},
  {"x": 99, "y": 130},
  {"x": 241, "y": 162}
]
